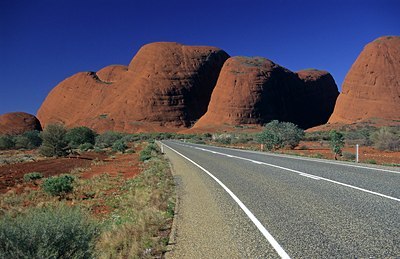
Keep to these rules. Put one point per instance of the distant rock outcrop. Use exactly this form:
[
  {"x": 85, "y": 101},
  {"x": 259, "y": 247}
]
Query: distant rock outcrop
[
  {"x": 15, "y": 123},
  {"x": 166, "y": 86},
  {"x": 371, "y": 88},
  {"x": 256, "y": 91}
]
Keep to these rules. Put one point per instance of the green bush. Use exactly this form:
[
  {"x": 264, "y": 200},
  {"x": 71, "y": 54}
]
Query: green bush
[
  {"x": 223, "y": 138},
  {"x": 32, "y": 176},
  {"x": 28, "y": 140},
  {"x": 54, "y": 142},
  {"x": 148, "y": 152},
  {"x": 80, "y": 135},
  {"x": 22, "y": 142},
  {"x": 349, "y": 156},
  {"x": 119, "y": 145},
  {"x": 107, "y": 139},
  {"x": 86, "y": 146},
  {"x": 58, "y": 185},
  {"x": 6, "y": 142},
  {"x": 316, "y": 136},
  {"x": 359, "y": 136},
  {"x": 386, "y": 139},
  {"x": 336, "y": 142},
  {"x": 60, "y": 232},
  {"x": 280, "y": 134}
]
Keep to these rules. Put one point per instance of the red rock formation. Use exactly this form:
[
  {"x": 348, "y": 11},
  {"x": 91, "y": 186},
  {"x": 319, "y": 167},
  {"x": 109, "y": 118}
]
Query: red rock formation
[
  {"x": 112, "y": 74},
  {"x": 166, "y": 85},
  {"x": 315, "y": 100},
  {"x": 256, "y": 91},
  {"x": 15, "y": 123},
  {"x": 371, "y": 88}
]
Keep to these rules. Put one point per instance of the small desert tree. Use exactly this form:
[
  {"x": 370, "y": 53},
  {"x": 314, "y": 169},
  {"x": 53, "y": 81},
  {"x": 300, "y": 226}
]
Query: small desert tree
[
  {"x": 80, "y": 135},
  {"x": 280, "y": 134},
  {"x": 54, "y": 142},
  {"x": 336, "y": 142}
]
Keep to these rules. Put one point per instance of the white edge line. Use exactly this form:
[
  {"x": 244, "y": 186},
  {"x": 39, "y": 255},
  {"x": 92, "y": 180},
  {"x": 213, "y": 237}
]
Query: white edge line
[
  {"x": 251, "y": 216},
  {"x": 310, "y": 176}
]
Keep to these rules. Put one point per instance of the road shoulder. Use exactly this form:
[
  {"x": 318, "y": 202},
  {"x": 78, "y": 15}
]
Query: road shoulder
[{"x": 200, "y": 228}]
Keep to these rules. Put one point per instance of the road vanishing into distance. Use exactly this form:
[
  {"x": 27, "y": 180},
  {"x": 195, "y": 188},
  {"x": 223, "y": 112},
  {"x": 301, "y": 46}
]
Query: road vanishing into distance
[{"x": 246, "y": 204}]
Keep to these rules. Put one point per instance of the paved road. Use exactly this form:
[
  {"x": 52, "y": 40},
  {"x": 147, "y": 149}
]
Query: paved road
[{"x": 280, "y": 206}]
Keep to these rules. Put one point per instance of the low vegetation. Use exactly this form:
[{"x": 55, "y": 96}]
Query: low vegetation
[
  {"x": 336, "y": 143},
  {"x": 32, "y": 176},
  {"x": 80, "y": 136},
  {"x": 387, "y": 139},
  {"x": 277, "y": 135},
  {"x": 52, "y": 232},
  {"x": 104, "y": 216},
  {"x": 58, "y": 185},
  {"x": 54, "y": 141}
]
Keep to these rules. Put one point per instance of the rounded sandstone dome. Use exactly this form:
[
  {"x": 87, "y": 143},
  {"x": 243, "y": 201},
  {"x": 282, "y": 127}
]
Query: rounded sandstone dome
[{"x": 15, "y": 123}]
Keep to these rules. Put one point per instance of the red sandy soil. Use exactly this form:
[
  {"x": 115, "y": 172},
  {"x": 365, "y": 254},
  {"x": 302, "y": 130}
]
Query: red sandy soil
[
  {"x": 366, "y": 154},
  {"x": 11, "y": 175},
  {"x": 126, "y": 165}
]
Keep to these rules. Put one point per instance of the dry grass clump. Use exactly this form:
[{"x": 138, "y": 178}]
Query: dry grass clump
[{"x": 142, "y": 213}]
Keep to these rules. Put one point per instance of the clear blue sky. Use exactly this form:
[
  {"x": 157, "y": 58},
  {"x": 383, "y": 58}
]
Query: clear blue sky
[{"x": 43, "y": 42}]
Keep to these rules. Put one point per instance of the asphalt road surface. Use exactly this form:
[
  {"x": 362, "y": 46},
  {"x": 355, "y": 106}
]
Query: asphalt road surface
[{"x": 243, "y": 204}]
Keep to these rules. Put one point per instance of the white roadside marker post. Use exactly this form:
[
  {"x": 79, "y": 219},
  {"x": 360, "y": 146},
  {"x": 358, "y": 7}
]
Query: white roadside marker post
[{"x": 356, "y": 153}]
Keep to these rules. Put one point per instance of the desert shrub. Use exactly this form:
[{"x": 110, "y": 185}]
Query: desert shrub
[
  {"x": 58, "y": 185},
  {"x": 28, "y": 140},
  {"x": 148, "y": 152},
  {"x": 242, "y": 138},
  {"x": 54, "y": 142},
  {"x": 386, "y": 139},
  {"x": 336, "y": 142},
  {"x": 316, "y": 136},
  {"x": 34, "y": 137},
  {"x": 349, "y": 156},
  {"x": 223, "y": 138},
  {"x": 32, "y": 176},
  {"x": 119, "y": 145},
  {"x": 6, "y": 142},
  {"x": 80, "y": 135},
  {"x": 370, "y": 161},
  {"x": 360, "y": 136},
  {"x": 60, "y": 232},
  {"x": 107, "y": 139},
  {"x": 21, "y": 142},
  {"x": 86, "y": 146},
  {"x": 280, "y": 134}
]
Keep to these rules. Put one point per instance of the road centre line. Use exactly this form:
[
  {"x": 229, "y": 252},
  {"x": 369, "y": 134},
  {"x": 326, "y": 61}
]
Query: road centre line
[
  {"x": 249, "y": 214},
  {"x": 301, "y": 173}
]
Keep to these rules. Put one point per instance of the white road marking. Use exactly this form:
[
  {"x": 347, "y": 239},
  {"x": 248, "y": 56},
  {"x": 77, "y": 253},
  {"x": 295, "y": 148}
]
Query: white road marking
[
  {"x": 314, "y": 160},
  {"x": 249, "y": 214},
  {"x": 308, "y": 175},
  {"x": 311, "y": 176}
]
